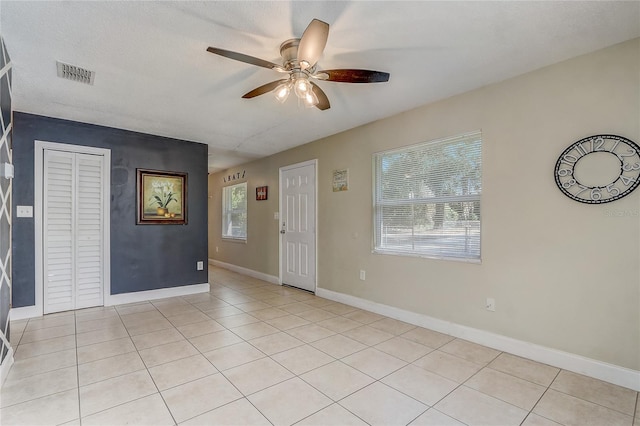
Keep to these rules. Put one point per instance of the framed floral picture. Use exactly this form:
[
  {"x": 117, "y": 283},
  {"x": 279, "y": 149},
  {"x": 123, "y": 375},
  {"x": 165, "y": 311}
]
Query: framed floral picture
[{"x": 162, "y": 197}]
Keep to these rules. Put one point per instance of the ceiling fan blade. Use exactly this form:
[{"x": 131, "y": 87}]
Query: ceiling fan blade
[
  {"x": 265, "y": 88},
  {"x": 312, "y": 43},
  {"x": 323, "y": 101},
  {"x": 357, "y": 76},
  {"x": 245, "y": 58}
]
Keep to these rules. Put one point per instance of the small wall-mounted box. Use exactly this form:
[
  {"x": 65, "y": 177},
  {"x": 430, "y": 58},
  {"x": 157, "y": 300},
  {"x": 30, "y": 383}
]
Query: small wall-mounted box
[
  {"x": 6, "y": 170},
  {"x": 24, "y": 211}
]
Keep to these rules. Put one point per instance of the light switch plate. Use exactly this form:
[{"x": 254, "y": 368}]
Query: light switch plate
[
  {"x": 6, "y": 170},
  {"x": 24, "y": 211}
]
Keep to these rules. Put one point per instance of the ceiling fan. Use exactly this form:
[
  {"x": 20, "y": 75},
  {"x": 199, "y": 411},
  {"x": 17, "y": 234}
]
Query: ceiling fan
[{"x": 300, "y": 57}]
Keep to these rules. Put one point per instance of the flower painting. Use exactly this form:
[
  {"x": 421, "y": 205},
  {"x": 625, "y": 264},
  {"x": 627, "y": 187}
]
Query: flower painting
[{"x": 161, "y": 197}]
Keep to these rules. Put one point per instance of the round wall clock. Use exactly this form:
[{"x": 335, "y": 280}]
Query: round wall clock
[{"x": 599, "y": 169}]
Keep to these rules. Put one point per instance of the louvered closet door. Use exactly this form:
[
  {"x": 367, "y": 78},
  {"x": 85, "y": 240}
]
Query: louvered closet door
[
  {"x": 59, "y": 189},
  {"x": 72, "y": 225},
  {"x": 88, "y": 265}
]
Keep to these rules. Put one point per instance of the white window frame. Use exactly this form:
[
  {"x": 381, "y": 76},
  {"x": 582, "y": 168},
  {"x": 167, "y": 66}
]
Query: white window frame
[
  {"x": 440, "y": 252},
  {"x": 226, "y": 212}
]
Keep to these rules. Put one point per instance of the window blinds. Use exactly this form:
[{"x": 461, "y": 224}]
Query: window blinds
[{"x": 427, "y": 198}]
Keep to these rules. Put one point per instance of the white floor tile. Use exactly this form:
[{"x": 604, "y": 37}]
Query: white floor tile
[
  {"x": 195, "y": 398},
  {"x": 337, "y": 380},
  {"x": 474, "y": 408},
  {"x": 433, "y": 417},
  {"x": 112, "y": 392},
  {"x": 107, "y": 368},
  {"x": 41, "y": 364},
  {"x": 513, "y": 390},
  {"x": 166, "y": 353},
  {"x": 148, "y": 411},
  {"x": 332, "y": 415},
  {"x": 378, "y": 404},
  {"x": 289, "y": 402},
  {"x": 237, "y": 413},
  {"x": 53, "y": 409},
  {"x": 302, "y": 359},
  {"x": 426, "y": 387},
  {"x": 373, "y": 362},
  {"x": 338, "y": 346},
  {"x": 274, "y": 343},
  {"x": 105, "y": 350},
  {"x": 257, "y": 375},
  {"x": 568, "y": 410},
  {"x": 233, "y": 355},
  {"x": 25, "y": 389},
  {"x": 181, "y": 371}
]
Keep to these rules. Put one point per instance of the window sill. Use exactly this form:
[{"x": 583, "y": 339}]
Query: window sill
[
  {"x": 426, "y": 256},
  {"x": 234, "y": 240}
]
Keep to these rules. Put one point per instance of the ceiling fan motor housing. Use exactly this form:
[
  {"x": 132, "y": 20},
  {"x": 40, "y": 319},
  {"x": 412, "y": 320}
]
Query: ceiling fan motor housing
[{"x": 289, "y": 53}]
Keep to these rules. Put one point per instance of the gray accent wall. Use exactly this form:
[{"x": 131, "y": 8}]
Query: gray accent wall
[{"x": 143, "y": 257}]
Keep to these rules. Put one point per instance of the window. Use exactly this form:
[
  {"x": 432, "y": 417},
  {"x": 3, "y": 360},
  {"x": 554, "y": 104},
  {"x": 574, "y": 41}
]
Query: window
[
  {"x": 234, "y": 211},
  {"x": 427, "y": 199}
]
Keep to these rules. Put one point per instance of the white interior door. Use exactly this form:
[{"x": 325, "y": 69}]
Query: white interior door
[
  {"x": 298, "y": 225},
  {"x": 73, "y": 238}
]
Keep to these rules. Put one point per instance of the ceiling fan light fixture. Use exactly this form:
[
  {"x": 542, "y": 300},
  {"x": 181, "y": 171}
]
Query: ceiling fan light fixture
[
  {"x": 282, "y": 91},
  {"x": 302, "y": 86},
  {"x": 310, "y": 99}
]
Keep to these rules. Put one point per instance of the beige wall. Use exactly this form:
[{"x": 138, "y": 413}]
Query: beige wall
[{"x": 564, "y": 275}]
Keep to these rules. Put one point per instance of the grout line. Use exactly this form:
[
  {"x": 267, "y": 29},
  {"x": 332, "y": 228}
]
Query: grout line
[
  {"x": 542, "y": 396},
  {"x": 147, "y": 369}
]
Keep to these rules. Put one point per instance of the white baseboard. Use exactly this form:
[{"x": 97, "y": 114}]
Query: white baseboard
[
  {"x": 120, "y": 299},
  {"x": 611, "y": 373},
  {"x": 246, "y": 271},
  {"x": 25, "y": 312},
  {"x": 161, "y": 293},
  {"x": 6, "y": 366}
]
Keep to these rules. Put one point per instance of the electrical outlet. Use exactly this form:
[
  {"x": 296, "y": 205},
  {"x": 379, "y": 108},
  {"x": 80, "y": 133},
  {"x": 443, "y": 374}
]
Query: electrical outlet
[
  {"x": 216, "y": 249},
  {"x": 491, "y": 304},
  {"x": 363, "y": 274},
  {"x": 200, "y": 265}
]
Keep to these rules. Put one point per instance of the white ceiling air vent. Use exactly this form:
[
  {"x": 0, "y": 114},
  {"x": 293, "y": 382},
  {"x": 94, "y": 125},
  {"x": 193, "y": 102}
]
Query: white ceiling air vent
[{"x": 74, "y": 73}]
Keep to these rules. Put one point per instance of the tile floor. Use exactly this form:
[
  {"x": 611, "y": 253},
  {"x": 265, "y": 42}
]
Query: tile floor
[{"x": 254, "y": 353}]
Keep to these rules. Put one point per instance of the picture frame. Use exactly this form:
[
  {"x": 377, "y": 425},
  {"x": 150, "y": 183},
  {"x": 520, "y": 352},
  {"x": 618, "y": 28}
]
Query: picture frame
[
  {"x": 162, "y": 197},
  {"x": 262, "y": 193},
  {"x": 340, "y": 180}
]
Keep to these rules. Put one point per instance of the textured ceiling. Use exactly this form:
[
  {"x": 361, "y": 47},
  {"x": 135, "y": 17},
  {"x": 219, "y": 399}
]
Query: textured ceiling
[{"x": 153, "y": 73}]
